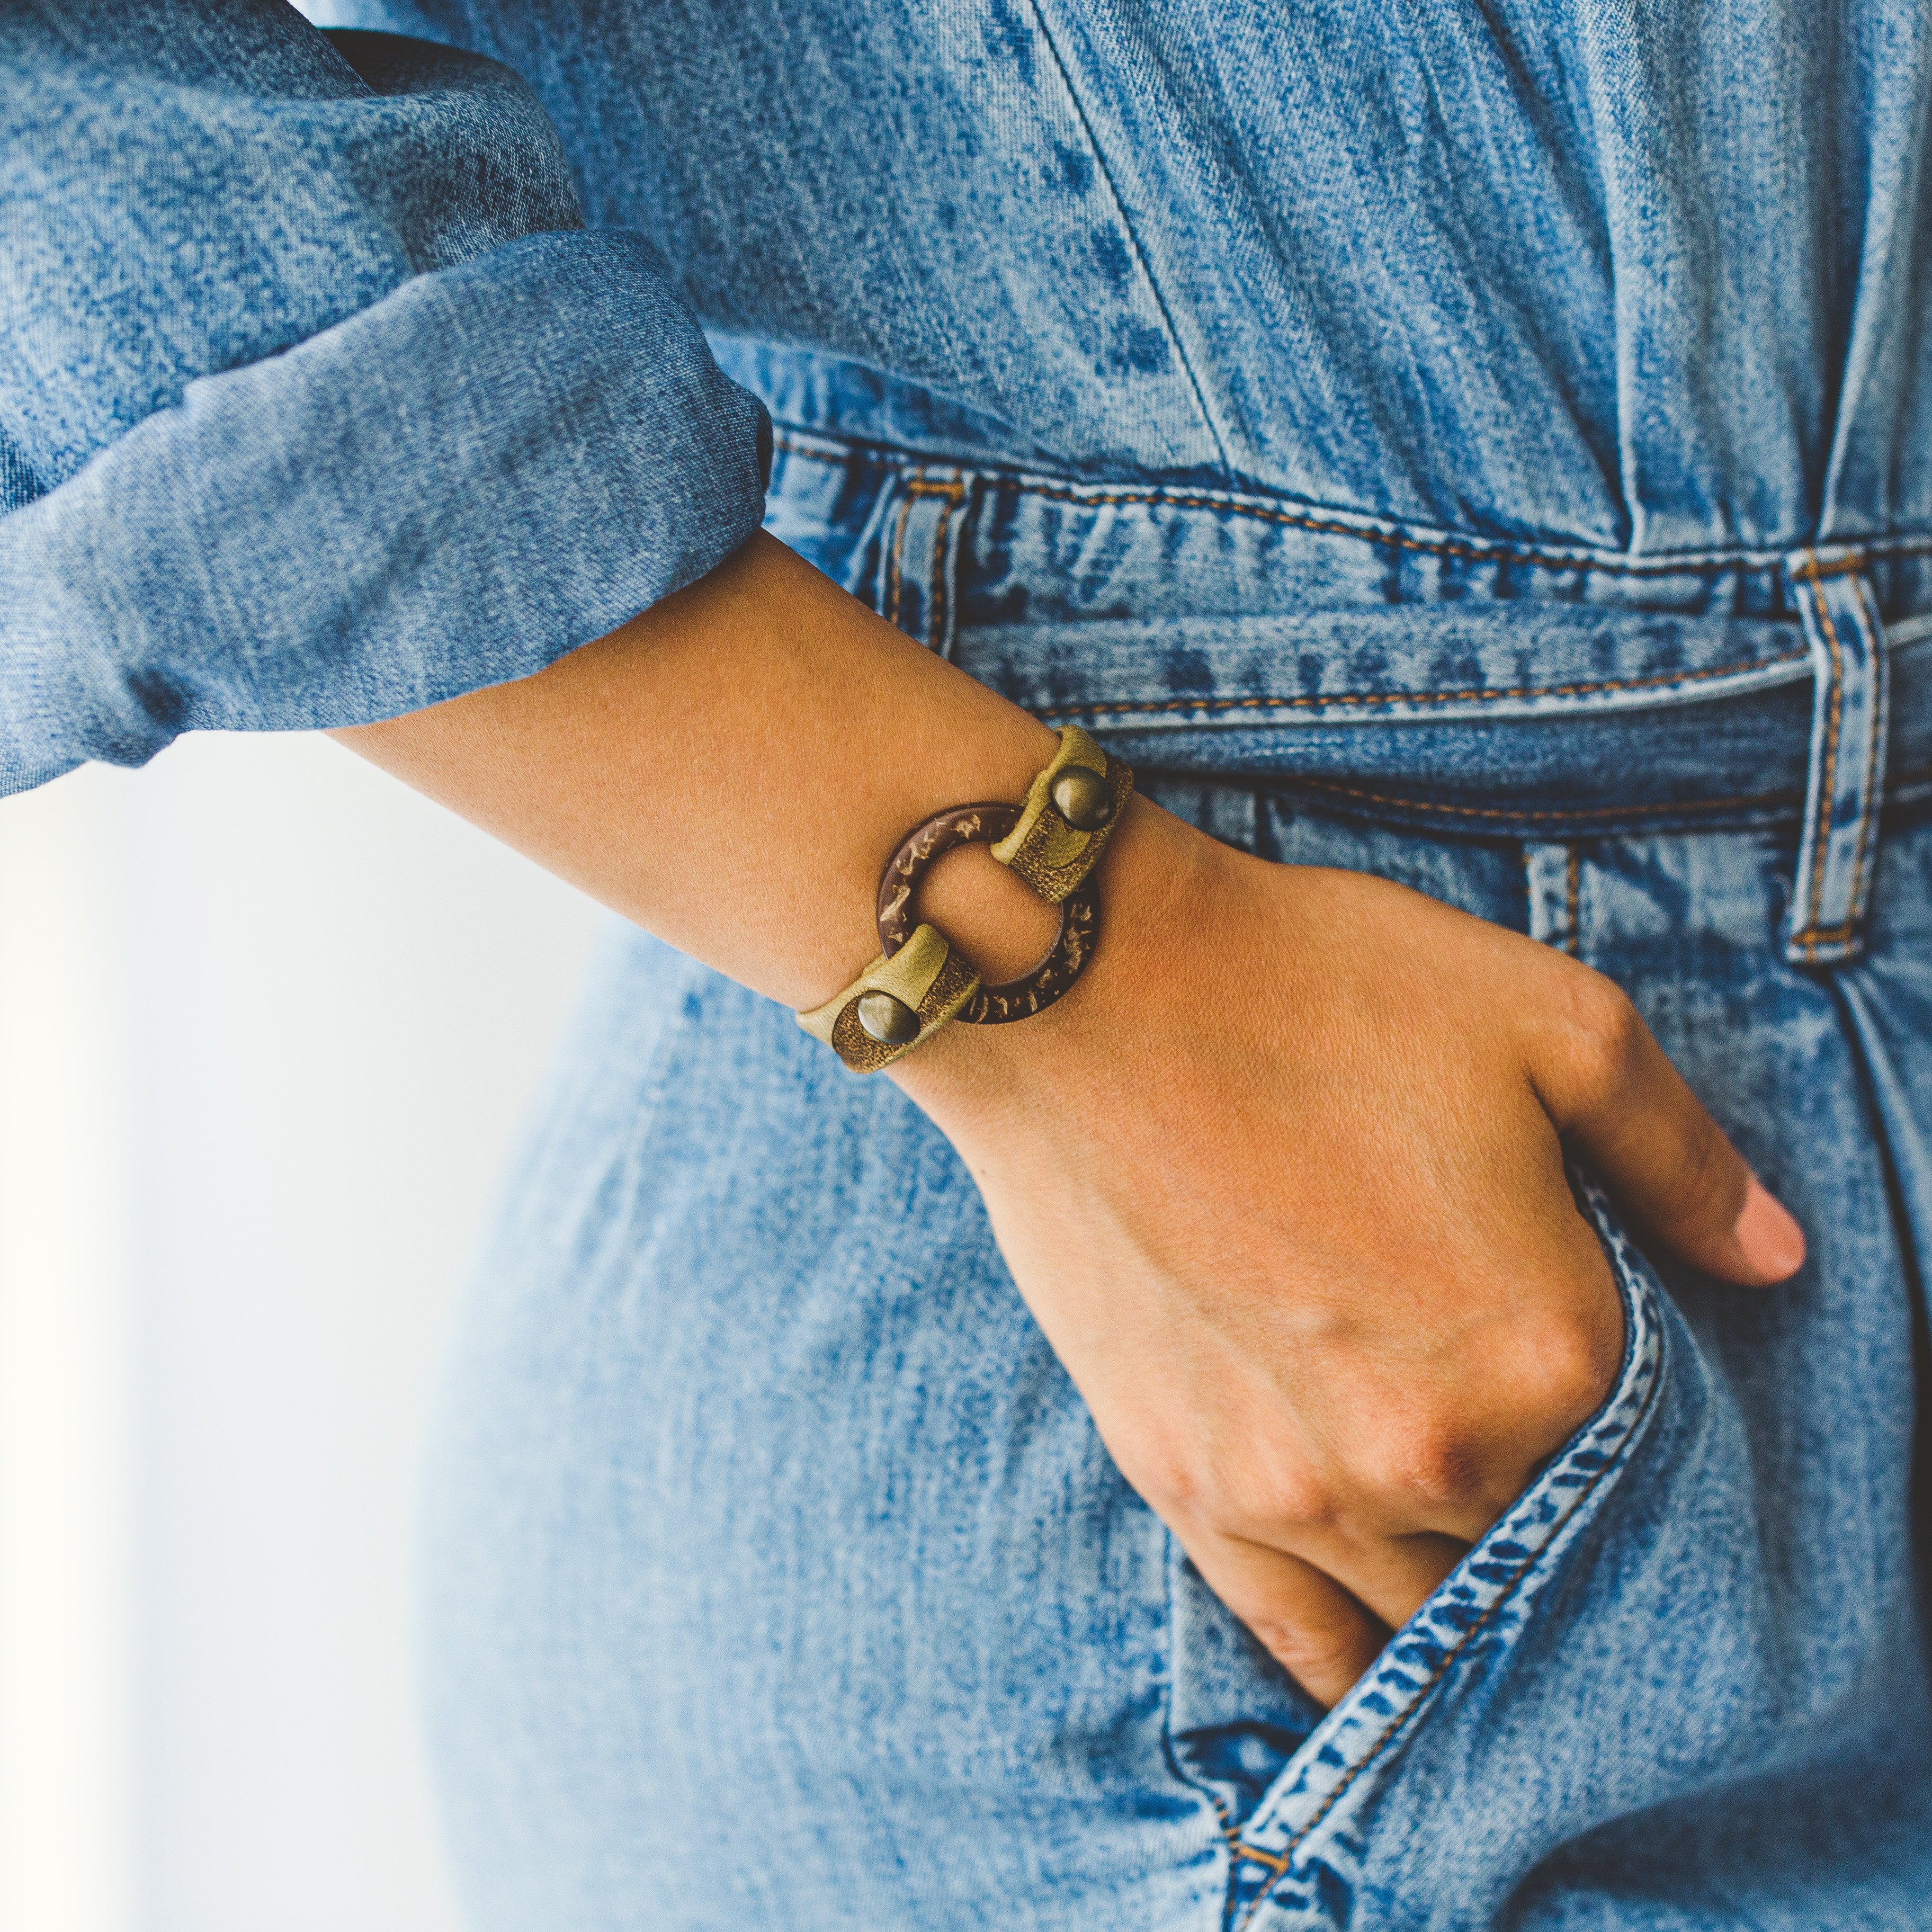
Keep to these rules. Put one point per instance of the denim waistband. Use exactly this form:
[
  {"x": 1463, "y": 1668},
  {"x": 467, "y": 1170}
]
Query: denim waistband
[{"x": 1451, "y": 682}]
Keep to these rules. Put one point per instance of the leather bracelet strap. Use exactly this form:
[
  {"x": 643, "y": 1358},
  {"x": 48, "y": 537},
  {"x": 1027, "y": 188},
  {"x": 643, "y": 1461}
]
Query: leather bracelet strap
[
  {"x": 1053, "y": 841},
  {"x": 895, "y": 1004},
  {"x": 1070, "y": 812}
]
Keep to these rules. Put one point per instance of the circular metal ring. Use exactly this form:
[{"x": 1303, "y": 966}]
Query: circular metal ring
[{"x": 1064, "y": 962}]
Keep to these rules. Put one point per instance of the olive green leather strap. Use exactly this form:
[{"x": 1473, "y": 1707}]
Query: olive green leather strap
[
  {"x": 1070, "y": 812},
  {"x": 896, "y": 1004}
]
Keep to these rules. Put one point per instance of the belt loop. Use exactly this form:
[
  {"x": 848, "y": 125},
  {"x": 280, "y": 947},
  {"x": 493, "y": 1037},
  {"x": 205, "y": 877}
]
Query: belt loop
[
  {"x": 1846, "y": 789},
  {"x": 1554, "y": 876},
  {"x": 918, "y": 570}
]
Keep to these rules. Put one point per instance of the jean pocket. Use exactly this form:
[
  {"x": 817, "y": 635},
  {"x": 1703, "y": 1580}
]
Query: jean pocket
[{"x": 1300, "y": 1835}]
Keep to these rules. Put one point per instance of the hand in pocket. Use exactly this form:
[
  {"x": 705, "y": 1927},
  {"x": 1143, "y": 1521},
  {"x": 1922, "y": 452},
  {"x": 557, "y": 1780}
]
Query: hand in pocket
[{"x": 1284, "y": 1185}]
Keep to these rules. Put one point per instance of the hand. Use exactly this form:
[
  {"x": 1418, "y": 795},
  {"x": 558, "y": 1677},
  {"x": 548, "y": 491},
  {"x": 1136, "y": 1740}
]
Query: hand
[
  {"x": 1281, "y": 1177},
  {"x": 1282, "y": 1181}
]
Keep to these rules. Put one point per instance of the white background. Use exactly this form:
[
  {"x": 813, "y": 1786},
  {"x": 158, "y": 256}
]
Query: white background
[{"x": 267, "y": 1024}]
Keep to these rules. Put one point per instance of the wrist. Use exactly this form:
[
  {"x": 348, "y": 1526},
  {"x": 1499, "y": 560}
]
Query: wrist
[{"x": 1156, "y": 881}]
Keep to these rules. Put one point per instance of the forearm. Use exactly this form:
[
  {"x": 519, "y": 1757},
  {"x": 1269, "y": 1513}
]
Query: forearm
[
  {"x": 731, "y": 770},
  {"x": 1281, "y": 1179}
]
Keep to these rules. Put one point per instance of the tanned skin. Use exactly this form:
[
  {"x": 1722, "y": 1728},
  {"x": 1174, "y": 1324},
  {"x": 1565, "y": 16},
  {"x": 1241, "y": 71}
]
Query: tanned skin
[{"x": 1281, "y": 1179}]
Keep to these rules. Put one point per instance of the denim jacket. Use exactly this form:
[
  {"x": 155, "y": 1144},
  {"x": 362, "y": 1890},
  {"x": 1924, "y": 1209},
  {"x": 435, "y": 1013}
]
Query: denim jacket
[
  {"x": 341, "y": 374},
  {"x": 1482, "y": 442}
]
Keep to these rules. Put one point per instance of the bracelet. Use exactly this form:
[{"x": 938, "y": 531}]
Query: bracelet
[
  {"x": 1053, "y": 840},
  {"x": 1065, "y": 959},
  {"x": 895, "y": 1003}
]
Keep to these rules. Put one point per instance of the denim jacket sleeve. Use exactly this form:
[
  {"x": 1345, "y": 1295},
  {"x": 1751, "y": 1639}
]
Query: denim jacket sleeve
[{"x": 318, "y": 402}]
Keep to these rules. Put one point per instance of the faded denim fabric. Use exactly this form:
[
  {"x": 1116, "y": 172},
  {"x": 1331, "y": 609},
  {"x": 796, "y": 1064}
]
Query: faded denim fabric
[
  {"x": 1485, "y": 445},
  {"x": 318, "y": 403},
  {"x": 779, "y": 1578}
]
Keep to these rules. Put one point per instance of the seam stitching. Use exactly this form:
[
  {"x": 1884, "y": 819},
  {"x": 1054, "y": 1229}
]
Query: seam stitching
[
  {"x": 893, "y": 559},
  {"x": 1289, "y": 780},
  {"x": 1475, "y": 697},
  {"x": 1874, "y": 801},
  {"x": 1701, "y": 564},
  {"x": 1113, "y": 194},
  {"x": 1573, "y": 943},
  {"x": 951, "y": 490},
  {"x": 1461, "y": 1650},
  {"x": 1813, "y": 936},
  {"x": 938, "y": 617},
  {"x": 935, "y": 614}
]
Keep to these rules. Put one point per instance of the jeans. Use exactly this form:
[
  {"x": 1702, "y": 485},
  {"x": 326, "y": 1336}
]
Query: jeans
[
  {"x": 1486, "y": 444},
  {"x": 778, "y": 1576}
]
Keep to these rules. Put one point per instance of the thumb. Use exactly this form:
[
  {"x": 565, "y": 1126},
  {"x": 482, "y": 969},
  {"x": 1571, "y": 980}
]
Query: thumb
[{"x": 1615, "y": 1096}]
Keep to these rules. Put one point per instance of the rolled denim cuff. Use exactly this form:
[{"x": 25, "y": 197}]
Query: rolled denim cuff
[{"x": 493, "y": 464}]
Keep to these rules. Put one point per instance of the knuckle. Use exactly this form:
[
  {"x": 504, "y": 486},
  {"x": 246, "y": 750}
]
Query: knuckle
[
  {"x": 1296, "y": 1499},
  {"x": 1170, "y": 1482},
  {"x": 1588, "y": 1032},
  {"x": 1166, "y": 1473},
  {"x": 1600, "y": 1031},
  {"x": 1574, "y": 1363},
  {"x": 1262, "y": 1502},
  {"x": 1428, "y": 1461}
]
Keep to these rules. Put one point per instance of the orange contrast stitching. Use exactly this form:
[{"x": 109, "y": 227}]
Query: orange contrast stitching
[
  {"x": 1288, "y": 781},
  {"x": 1366, "y": 697},
  {"x": 1436, "y": 1675},
  {"x": 952, "y": 489},
  {"x": 1213, "y": 1797},
  {"x": 1573, "y": 941},
  {"x": 935, "y": 619},
  {"x": 893, "y": 562},
  {"x": 1268, "y": 1858},
  {"x": 1436, "y": 547}
]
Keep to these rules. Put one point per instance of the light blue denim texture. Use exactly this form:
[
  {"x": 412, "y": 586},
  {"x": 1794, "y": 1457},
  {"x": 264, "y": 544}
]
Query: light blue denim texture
[
  {"x": 317, "y": 401},
  {"x": 780, "y": 1577},
  {"x": 1484, "y": 444}
]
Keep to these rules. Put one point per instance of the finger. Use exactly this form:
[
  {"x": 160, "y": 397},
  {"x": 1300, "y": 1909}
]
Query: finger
[
  {"x": 1312, "y": 1627},
  {"x": 1613, "y": 1092},
  {"x": 1391, "y": 1575}
]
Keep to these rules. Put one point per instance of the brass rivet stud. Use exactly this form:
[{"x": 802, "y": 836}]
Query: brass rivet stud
[
  {"x": 1083, "y": 798},
  {"x": 889, "y": 1021}
]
